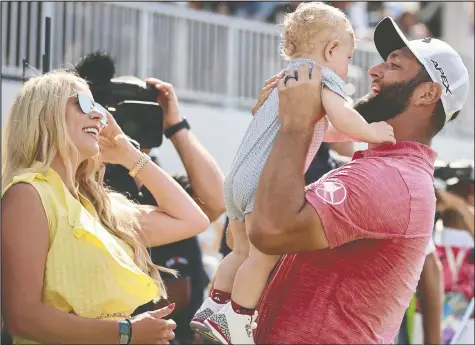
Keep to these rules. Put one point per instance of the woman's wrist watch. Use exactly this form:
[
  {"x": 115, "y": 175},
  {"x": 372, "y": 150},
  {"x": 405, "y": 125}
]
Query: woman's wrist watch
[
  {"x": 175, "y": 128},
  {"x": 125, "y": 332}
]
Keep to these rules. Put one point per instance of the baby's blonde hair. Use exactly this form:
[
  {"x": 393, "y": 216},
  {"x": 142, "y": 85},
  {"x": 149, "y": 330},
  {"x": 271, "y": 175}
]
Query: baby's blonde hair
[
  {"x": 311, "y": 23},
  {"x": 36, "y": 131}
]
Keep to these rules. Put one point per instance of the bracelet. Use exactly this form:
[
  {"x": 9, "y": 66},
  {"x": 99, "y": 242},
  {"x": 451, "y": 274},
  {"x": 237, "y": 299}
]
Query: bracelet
[
  {"x": 130, "y": 333},
  {"x": 139, "y": 165}
]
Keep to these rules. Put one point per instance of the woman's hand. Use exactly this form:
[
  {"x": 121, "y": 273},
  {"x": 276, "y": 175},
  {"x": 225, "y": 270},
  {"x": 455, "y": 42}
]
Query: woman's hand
[
  {"x": 167, "y": 100},
  {"x": 113, "y": 143},
  {"x": 150, "y": 328},
  {"x": 269, "y": 85}
]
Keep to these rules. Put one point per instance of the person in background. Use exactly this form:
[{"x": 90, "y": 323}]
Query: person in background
[
  {"x": 412, "y": 28},
  {"x": 456, "y": 205},
  {"x": 455, "y": 247},
  {"x": 245, "y": 9},
  {"x": 211, "y": 6},
  {"x": 430, "y": 293},
  {"x": 204, "y": 183},
  {"x": 276, "y": 16},
  {"x": 455, "y": 208}
]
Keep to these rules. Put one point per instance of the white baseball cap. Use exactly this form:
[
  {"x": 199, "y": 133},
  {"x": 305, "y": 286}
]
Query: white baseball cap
[{"x": 441, "y": 61}]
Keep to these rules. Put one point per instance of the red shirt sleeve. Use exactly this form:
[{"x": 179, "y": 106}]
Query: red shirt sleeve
[{"x": 361, "y": 200}]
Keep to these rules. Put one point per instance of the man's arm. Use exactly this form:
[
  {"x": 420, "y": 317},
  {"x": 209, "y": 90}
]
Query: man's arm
[
  {"x": 431, "y": 298},
  {"x": 205, "y": 177},
  {"x": 282, "y": 220},
  {"x": 203, "y": 172}
]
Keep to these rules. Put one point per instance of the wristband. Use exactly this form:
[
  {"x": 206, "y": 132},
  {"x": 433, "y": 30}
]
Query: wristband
[{"x": 175, "y": 128}]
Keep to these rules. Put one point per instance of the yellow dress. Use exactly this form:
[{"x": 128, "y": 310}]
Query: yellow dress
[{"x": 89, "y": 271}]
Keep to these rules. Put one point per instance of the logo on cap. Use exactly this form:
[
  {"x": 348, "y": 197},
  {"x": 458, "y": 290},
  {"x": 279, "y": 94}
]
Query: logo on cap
[
  {"x": 445, "y": 81},
  {"x": 426, "y": 40},
  {"x": 332, "y": 192}
]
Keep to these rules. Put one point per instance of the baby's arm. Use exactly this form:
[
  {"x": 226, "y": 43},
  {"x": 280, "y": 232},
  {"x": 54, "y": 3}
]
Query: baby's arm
[
  {"x": 333, "y": 136},
  {"x": 350, "y": 124}
]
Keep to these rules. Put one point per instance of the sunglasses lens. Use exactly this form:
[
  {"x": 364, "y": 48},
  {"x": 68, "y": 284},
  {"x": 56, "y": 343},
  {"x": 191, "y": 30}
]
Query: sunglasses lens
[
  {"x": 103, "y": 112},
  {"x": 85, "y": 103}
]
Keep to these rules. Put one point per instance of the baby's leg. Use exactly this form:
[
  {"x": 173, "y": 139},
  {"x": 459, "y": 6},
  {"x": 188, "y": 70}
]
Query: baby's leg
[
  {"x": 252, "y": 276},
  {"x": 224, "y": 279},
  {"x": 227, "y": 269}
]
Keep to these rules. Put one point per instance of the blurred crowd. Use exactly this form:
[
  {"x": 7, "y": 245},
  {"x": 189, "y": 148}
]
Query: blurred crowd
[{"x": 364, "y": 16}]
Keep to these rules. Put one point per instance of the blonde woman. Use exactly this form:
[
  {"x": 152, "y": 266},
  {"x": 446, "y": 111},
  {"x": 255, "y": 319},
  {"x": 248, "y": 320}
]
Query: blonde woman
[{"x": 74, "y": 257}]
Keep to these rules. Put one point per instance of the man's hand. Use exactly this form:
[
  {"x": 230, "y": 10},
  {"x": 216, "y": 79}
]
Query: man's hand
[
  {"x": 168, "y": 101},
  {"x": 300, "y": 101}
]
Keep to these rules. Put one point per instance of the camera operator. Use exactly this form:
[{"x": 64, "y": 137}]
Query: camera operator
[{"x": 204, "y": 182}]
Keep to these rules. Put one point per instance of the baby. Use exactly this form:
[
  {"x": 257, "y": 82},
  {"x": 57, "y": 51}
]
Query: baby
[{"x": 318, "y": 35}]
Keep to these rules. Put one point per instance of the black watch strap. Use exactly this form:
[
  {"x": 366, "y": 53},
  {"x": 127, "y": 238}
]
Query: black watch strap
[{"x": 175, "y": 128}]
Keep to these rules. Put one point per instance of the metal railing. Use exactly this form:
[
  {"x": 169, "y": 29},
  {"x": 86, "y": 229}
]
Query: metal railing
[{"x": 209, "y": 58}]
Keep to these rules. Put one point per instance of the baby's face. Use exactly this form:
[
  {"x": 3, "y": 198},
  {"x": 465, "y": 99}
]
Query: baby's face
[{"x": 342, "y": 56}]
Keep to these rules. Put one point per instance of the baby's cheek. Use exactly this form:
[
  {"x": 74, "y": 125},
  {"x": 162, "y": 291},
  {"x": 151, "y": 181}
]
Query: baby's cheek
[{"x": 342, "y": 72}]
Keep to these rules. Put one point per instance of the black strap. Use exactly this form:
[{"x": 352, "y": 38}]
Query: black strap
[
  {"x": 130, "y": 333},
  {"x": 175, "y": 128}
]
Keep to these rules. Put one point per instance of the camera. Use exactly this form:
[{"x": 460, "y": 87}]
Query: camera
[{"x": 131, "y": 101}]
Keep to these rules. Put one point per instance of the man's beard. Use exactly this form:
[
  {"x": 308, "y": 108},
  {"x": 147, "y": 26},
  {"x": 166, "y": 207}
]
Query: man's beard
[{"x": 392, "y": 100}]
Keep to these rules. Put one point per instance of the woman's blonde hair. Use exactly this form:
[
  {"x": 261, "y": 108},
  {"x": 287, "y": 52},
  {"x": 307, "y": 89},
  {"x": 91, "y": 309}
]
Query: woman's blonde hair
[
  {"x": 309, "y": 23},
  {"x": 36, "y": 131}
]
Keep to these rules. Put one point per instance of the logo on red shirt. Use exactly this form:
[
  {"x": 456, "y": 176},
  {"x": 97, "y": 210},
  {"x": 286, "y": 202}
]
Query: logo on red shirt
[{"x": 332, "y": 192}]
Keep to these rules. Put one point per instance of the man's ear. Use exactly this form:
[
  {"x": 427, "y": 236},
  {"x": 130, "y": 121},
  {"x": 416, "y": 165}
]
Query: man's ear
[
  {"x": 427, "y": 94},
  {"x": 331, "y": 49}
]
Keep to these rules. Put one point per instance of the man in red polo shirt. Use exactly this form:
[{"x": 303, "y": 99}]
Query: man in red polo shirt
[{"x": 361, "y": 231}]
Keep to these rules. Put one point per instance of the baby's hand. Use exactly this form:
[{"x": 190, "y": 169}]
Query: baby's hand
[{"x": 382, "y": 132}]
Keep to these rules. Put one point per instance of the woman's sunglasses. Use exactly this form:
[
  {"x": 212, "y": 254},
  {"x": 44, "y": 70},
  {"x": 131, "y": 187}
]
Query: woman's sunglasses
[{"x": 87, "y": 104}]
